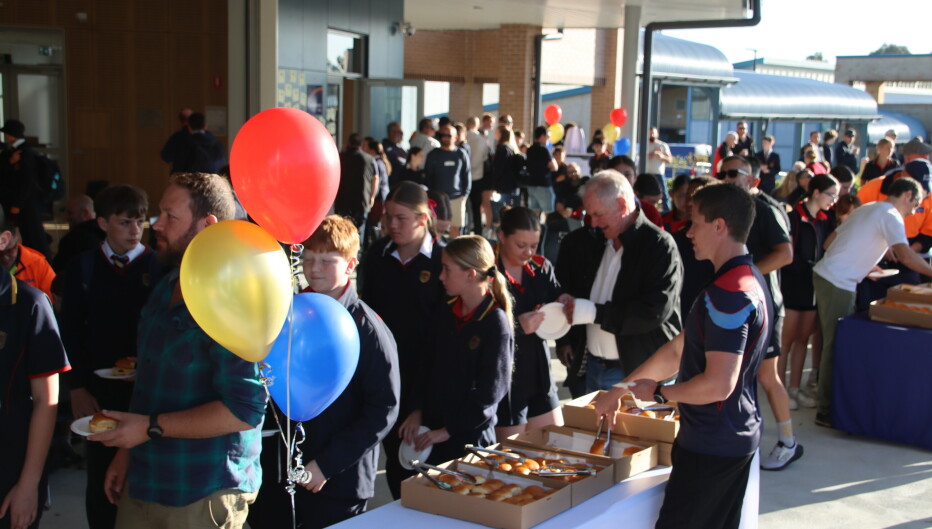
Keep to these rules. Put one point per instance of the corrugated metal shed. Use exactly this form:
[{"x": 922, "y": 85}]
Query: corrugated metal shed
[
  {"x": 906, "y": 127},
  {"x": 762, "y": 96},
  {"x": 678, "y": 59}
]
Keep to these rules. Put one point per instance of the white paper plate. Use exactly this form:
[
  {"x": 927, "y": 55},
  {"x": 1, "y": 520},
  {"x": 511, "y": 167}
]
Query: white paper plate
[
  {"x": 82, "y": 426},
  {"x": 554, "y": 325},
  {"x": 884, "y": 273},
  {"x": 108, "y": 374},
  {"x": 407, "y": 452}
]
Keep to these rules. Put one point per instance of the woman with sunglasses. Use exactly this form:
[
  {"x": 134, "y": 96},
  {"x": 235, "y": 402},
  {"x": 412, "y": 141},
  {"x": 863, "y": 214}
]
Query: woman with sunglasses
[{"x": 809, "y": 228}]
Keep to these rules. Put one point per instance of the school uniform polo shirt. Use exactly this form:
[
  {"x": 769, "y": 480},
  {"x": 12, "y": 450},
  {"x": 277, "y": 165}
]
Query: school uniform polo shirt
[
  {"x": 30, "y": 348},
  {"x": 733, "y": 315}
]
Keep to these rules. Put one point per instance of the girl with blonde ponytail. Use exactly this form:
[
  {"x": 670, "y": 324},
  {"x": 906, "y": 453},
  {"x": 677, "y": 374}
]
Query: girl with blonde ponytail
[{"x": 468, "y": 368}]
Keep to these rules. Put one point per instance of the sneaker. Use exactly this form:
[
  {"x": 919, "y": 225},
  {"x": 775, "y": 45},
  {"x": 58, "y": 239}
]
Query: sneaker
[
  {"x": 781, "y": 456},
  {"x": 806, "y": 400},
  {"x": 812, "y": 381},
  {"x": 823, "y": 420},
  {"x": 793, "y": 394}
]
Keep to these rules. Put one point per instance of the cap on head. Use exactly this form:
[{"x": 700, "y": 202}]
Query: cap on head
[
  {"x": 918, "y": 147},
  {"x": 14, "y": 128}
]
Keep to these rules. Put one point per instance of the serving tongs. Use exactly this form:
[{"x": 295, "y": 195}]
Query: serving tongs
[
  {"x": 479, "y": 451},
  {"x": 607, "y": 447},
  {"x": 424, "y": 467},
  {"x": 559, "y": 473}
]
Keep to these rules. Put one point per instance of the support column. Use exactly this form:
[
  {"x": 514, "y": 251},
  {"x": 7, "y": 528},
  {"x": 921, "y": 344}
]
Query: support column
[
  {"x": 876, "y": 90},
  {"x": 516, "y": 83},
  {"x": 465, "y": 100},
  {"x": 629, "y": 79},
  {"x": 607, "y": 96},
  {"x": 267, "y": 53}
]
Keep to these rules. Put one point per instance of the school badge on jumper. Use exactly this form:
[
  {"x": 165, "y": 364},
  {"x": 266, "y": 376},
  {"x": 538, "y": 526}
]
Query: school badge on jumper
[
  {"x": 474, "y": 343},
  {"x": 425, "y": 276},
  {"x": 146, "y": 280},
  {"x": 2, "y": 339}
]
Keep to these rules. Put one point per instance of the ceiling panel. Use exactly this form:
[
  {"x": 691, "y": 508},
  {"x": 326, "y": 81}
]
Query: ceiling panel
[{"x": 490, "y": 14}]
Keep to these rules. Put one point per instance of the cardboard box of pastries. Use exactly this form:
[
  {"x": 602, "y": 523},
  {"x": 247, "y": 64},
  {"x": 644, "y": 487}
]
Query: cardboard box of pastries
[
  {"x": 901, "y": 313},
  {"x": 631, "y": 456},
  {"x": 581, "y": 487},
  {"x": 503, "y": 500},
  {"x": 904, "y": 293},
  {"x": 580, "y": 413}
]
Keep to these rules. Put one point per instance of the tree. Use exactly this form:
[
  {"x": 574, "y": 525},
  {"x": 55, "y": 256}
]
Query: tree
[
  {"x": 817, "y": 56},
  {"x": 891, "y": 49}
]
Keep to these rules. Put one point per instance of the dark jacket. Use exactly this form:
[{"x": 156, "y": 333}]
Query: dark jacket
[
  {"x": 406, "y": 297},
  {"x": 199, "y": 152},
  {"x": 448, "y": 171},
  {"x": 844, "y": 155},
  {"x": 504, "y": 179},
  {"x": 344, "y": 439},
  {"x": 645, "y": 309},
  {"x": 355, "y": 192},
  {"x": 465, "y": 375}
]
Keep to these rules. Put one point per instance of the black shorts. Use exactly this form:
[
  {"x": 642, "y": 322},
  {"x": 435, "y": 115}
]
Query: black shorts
[
  {"x": 798, "y": 292},
  {"x": 773, "y": 350},
  {"x": 704, "y": 491}
]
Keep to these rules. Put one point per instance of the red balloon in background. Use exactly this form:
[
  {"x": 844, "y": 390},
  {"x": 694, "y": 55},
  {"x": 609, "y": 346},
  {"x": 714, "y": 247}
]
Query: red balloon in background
[
  {"x": 285, "y": 169},
  {"x": 552, "y": 114},
  {"x": 618, "y": 116}
]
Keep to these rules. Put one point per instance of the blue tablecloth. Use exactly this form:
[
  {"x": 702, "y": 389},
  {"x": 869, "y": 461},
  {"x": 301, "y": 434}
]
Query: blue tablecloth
[{"x": 881, "y": 383}]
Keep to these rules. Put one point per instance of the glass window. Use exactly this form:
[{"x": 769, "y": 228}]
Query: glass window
[{"x": 345, "y": 53}]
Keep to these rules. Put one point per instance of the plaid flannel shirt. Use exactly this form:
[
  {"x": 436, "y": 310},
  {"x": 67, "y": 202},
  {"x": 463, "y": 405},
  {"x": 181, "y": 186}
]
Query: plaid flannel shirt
[{"x": 180, "y": 367}]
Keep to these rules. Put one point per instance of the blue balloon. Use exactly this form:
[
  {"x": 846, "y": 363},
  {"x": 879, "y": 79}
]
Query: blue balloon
[
  {"x": 622, "y": 146},
  {"x": 324, "y": 354}
]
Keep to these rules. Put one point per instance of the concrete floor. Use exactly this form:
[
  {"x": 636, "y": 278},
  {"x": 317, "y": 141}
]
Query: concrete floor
[{"x": 842, "y": 481}]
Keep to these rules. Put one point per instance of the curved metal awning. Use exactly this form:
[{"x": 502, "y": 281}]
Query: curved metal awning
[
  {"x": 682, "y": 60},
  {"x": 906, "y": 127},
  {"x": 763, "y": 96}
]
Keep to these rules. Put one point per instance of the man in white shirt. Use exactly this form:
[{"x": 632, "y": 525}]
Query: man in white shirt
[
  {"x": 479, "y": 154},
  {"x": 658, "y": 156},
  {"x": 633, "y": 304},
  {"x": 424, "y": 139},
  {"x": 854, "y": 250}
]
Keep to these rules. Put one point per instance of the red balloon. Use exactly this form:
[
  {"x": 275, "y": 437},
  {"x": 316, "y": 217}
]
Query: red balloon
[
  {"x": 552, "y": 114},
  {"x": 619, "y": 116},
  {"x": 285, "y": 169}
]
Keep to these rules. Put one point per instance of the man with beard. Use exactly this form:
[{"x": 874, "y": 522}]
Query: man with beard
[{"x": 189, "y": 446}]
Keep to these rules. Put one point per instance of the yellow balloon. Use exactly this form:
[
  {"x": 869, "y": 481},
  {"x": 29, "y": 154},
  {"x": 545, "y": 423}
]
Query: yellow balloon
[
  {"x": 556, "y": 133},
  {"x": 236, "y": 282},
  {"x": 611, "y": 132}
]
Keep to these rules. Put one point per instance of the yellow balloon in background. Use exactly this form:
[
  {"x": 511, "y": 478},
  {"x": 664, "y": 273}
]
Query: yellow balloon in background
[
  {"x": 556, "y": 133},
  {"x": 611, "y": 132},
  {"x": 236, "y": 282}
]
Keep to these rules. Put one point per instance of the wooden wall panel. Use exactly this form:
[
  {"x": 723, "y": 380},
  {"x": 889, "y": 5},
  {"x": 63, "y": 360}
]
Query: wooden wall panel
[
  {"x": 35, "y": 12},
  {"x": 185, "y": 16},
  {"x": 113, "y": 15},
  {"x": 150, "y": 15},
  {"x": 129, "y": 68}
]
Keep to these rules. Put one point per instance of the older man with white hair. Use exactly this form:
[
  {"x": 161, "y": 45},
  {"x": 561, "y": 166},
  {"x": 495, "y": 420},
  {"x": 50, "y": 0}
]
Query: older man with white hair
[{"x": 624, "y": 285}]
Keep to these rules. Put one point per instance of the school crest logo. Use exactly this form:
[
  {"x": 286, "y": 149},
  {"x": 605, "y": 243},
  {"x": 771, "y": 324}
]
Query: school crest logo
[
  {"x": 146, "y": 280},
  {"x": 425, "y": 276},
  {"x": 2, "y": 339},
  {"x": 474, "y": 343}
]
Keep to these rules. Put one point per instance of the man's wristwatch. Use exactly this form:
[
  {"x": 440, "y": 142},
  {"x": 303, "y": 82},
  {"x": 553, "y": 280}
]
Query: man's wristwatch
[
  {"x": 154, "y": 431},
  {"x": 658, "y": 395}
]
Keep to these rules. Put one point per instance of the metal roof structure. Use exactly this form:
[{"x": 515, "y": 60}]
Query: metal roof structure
[
  {"x": 778, "y": 97},
  {"x": 682, "y": 60},
  {"x": 906, "y": 127}
]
